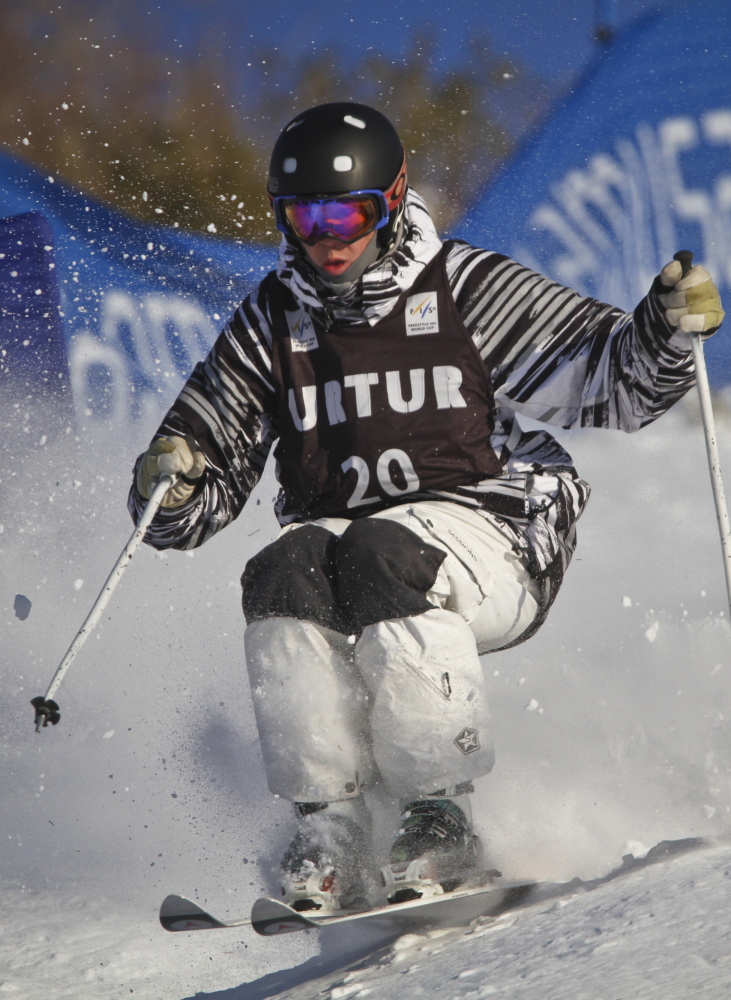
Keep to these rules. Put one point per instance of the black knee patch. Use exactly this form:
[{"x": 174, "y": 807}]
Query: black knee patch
[
  {"x": 384, "y": 571},
  {"x": 294, "y": 578}
]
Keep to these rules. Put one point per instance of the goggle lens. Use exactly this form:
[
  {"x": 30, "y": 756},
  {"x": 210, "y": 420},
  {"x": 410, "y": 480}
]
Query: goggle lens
[{"x": 345, "y": 219}]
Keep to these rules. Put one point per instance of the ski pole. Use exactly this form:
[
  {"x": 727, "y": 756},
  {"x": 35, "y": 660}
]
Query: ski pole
[
  {"x": 47, "y": 709},
  {"x": 685, "y": 258}
]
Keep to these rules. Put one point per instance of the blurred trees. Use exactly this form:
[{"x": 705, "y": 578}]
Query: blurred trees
[{"x": 100, "y": 95}]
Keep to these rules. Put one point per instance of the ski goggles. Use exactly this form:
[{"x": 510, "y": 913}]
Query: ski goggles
[{"x": 346, "y": 218}]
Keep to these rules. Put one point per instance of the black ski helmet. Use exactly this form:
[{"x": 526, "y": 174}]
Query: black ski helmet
[{"x": 336, "y": 149}]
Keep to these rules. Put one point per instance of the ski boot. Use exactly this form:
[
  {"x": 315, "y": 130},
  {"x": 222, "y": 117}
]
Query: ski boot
[
  {"x": 435, "y": 850},
  {"x": 322, "y": 869}
]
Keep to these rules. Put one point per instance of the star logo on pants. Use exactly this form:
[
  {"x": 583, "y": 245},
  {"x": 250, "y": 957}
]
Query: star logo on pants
[{"x": 468, "y": 741}]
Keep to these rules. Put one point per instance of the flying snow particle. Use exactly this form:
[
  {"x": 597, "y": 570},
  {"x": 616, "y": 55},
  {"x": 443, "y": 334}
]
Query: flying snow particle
[
  {"x": 627, "y": 602},
  {"x": 21, "y": 606},
  {"x": 710, "y": 811},
  {"x": 108, "y": 735},
  {"x": 532, "y": 705},
  {"x": 211, "y": 228},
  {"x": 651, "y": 632},
  {"x": 636, "y": 848},
  {"x": 78, "y": 584}
]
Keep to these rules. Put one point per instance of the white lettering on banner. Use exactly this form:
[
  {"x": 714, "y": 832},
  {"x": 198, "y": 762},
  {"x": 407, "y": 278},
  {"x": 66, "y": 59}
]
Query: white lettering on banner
[
  {"x": 301, "y": 331},
  {"x": 334, "y": 403},
  {"x": 383, "y": 472},
  {"x": 395, "y": 396},
  {"x": 447, "y": 380},
  {"x": 421, "y": 313},
  {"x": 309, "y": 398},
  {"x": 145, "y": 347},
  {"x": 617, "y": 219},
  {"x": 362, "y": 385},
  {"x": 88, "y": 357},
  {"x": 177, "y": 330}
]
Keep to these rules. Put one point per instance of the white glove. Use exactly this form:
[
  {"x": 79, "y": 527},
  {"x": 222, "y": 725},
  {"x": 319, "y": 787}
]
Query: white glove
[
  {"x": 693, "y": 305},
  {"x": 170, "y": 456}
]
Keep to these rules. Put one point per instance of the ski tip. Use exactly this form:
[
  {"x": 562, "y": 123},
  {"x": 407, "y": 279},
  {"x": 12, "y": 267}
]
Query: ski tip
[
  {"x": 180, "y": 914},
  {"x": 271, "y": 916}
]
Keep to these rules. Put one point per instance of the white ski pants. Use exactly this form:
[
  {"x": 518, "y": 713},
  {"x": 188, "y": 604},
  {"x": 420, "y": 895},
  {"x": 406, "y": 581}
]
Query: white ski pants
[{"x": 405, "y": 702}]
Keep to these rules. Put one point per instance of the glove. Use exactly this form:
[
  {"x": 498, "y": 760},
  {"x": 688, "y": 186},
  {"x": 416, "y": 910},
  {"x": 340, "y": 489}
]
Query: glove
[
  {"x": 172, "y": 456},
  {"x": 693, "y": 305}
]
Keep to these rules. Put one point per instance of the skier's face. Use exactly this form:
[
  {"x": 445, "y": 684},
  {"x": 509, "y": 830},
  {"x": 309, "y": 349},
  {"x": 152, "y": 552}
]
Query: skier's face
[{"x": 335, "y": 257}]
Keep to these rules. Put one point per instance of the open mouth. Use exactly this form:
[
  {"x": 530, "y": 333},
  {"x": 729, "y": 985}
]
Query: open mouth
[{"x": 335, "y": 265}]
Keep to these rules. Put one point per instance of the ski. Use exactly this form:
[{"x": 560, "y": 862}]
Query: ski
[
  {"x": 180, "y": 914},
  {"x": 270, "y": 917}
]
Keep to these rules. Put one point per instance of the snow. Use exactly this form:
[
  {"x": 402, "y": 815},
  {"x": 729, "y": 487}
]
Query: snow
[
  {"x": 657, "y": 933},
  {"x": 152, "y": 782}
]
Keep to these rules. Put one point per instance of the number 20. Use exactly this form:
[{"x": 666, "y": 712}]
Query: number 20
[{"x": 358, "y": 496}]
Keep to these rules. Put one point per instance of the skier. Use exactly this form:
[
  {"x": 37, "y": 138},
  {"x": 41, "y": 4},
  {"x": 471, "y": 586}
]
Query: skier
[{"x": 421, "y": 526}]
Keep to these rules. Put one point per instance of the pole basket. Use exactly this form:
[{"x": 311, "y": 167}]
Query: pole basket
[{"x": 46, "y": 711}]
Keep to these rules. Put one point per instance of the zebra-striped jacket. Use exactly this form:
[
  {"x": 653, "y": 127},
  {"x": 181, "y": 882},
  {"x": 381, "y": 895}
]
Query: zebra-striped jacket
[{"x": 552, "y": 355}]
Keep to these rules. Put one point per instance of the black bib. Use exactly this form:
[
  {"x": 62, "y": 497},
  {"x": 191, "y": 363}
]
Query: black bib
[{"x": 371, "y": 414}]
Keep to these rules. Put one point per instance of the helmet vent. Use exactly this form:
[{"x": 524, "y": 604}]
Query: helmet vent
[
  {"x": 342, "y": 164},
  {"x": 350, "y": 120},
  {"x": 290, "y": 165}
]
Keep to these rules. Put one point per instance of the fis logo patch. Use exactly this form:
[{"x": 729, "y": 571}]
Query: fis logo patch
[
  {"x": 421, "y": 314},
  {"x": 301, "y": 331}
]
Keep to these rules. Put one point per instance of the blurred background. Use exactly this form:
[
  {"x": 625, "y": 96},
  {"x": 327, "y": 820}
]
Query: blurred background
[
  {"x": 589, "y": 140},
  {"x": 184, "y": 100}
]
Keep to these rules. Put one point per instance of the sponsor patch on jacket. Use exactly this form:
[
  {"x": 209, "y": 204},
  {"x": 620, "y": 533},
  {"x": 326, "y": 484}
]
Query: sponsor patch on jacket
[
  {"x": 301, "y": 331},
  {"x": 468, "y": 741},
  {"x": 421, "y": 314}
]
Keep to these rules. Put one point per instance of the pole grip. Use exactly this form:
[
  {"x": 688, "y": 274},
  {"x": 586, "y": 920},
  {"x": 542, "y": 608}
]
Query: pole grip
[{"x": 685, "y": 259}]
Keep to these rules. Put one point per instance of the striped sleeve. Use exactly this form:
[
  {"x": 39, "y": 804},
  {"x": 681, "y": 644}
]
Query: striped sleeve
[
  {"x": 228, "y": 406},
  {"x": 563, "y": 358}
]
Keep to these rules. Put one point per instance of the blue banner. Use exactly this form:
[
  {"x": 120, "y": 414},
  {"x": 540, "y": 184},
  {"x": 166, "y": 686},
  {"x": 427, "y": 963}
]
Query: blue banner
[
  {"x": 129, "y": 307},
  {"x": 633, "y": 165},
  {"x": 34, "y": 374}
]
